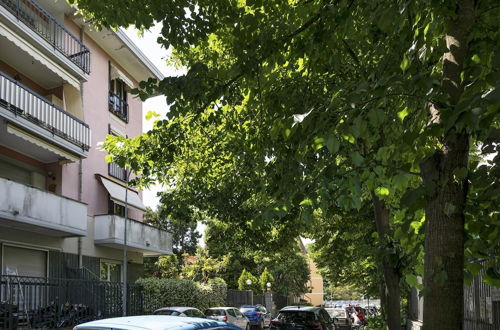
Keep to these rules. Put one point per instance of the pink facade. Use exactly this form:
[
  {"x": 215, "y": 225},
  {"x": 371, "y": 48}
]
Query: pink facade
[{"x": 58, "y": 196}]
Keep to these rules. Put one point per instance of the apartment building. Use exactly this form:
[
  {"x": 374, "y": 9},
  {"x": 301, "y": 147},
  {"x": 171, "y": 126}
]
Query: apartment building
[{"x": 63, "y": 87}]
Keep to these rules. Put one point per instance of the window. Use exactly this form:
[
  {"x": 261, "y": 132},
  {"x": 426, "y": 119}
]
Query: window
[
  {"x": 118, "y": 99},
  {"x": 110, "y": 271},
  {"x": 231, "y": 312},
  {"x": 24, "y": 262},
  {"x": 115, "y": 208},
  {"x": 114, "y": 169}
]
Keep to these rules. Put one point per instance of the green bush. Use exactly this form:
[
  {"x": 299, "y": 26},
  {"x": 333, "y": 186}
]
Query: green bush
[{"x": 163, "y": 292}]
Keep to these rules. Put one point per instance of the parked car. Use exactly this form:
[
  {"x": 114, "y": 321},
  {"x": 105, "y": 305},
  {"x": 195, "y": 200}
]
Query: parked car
[
  {"x": 179, "y": 311},
  {"x": 302, "y": 318},
  {"x": 341, "y": 318},
  {"x": 228, "y": 314},
  {"x": 257, "y": 315},
  {"x": 155, "y": 322}
]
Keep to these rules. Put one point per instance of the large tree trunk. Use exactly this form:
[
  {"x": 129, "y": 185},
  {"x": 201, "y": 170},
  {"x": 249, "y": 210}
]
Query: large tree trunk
[
  {"x": 391, "y": 295},
  {"x": 444, "y": 212}
]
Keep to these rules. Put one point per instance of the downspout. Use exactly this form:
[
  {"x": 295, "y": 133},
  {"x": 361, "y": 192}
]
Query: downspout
[
  {"x": 80, "y": 173},
  {"x": 80, "y": 193}
]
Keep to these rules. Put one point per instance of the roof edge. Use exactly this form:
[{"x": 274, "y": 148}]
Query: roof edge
[{"x": 138, "y": 53}]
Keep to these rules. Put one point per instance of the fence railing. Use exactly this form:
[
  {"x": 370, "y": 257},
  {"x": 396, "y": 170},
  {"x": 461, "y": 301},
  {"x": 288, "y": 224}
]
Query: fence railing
[
  {"x": 26, "y": 103},
  {"x": 33, "y": 15},
  {"x": 46, "y": 302}
]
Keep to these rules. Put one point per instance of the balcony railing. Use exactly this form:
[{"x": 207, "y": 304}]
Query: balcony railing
[
  {"x": 118, "y": 106},
  {"x": 46, "y": 26},
  {"x": 116, "y": 171},
  {"x": 26, "y": 103}
]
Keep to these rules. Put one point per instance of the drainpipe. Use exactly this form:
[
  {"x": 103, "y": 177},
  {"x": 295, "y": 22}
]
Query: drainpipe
[
  {"x": 80, "y": 172},
  {"x": 80, "y": 193}
]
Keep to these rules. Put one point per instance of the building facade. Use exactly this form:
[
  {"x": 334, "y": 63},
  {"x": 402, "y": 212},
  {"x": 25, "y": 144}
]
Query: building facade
[{"x": 63, "y": 88}]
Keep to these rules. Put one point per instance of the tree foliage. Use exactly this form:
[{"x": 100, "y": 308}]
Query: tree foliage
[{"x": 290, "y": 108}]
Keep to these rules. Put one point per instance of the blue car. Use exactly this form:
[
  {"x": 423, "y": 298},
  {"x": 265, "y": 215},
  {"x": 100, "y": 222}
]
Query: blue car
[
  {"x": 156, "y": 322},
  {"x": 257, "y": 315}
]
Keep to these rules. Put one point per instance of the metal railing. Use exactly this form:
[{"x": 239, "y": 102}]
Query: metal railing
[
  {"x": 118, "y": 106},
  {"x": 33, "y": 15},
  {"x": 26, "y": 103},
  {"x": 39, "y": 302},
  {"x": 116, "y": 171}
]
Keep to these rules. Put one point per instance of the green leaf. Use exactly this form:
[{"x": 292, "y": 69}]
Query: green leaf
[
  {"x": 403, "y": 113},
  {"x": 109, "y": 158},
  {"x": 332, "y": 144},
  {"x": 411, "y": 279},
  {"x": 405, "y": 63},
  {"x": 306, "y": 202},
  {"x": 357, "y": 159},
  {"x": 382, "y": 191}
]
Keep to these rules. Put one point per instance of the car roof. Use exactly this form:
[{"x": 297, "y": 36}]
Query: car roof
[
  {"x": 251, "y": 306},
  {"x": 225, "y": 308},
  {"x": 300, "y": 308},
  {"x": 152, "y": 322},
  {"x": 175, "y": 308}
]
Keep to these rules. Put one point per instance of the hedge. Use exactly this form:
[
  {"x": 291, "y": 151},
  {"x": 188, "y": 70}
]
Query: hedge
[{"x": 164, "y": 292}]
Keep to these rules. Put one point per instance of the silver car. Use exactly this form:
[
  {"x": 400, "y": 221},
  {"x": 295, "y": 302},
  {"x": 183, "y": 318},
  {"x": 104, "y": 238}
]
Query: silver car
[
  {"x": 179, "y": 311},
  {"x": 228, "y": 314},
  {"x": 155, "y": 322}
]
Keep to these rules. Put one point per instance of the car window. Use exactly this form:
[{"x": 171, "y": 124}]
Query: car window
[
  {"x": 196, "y": 313},
  {"x": 247, "y": 309},
  {"x": 215, "y": 312},
  {"x": 188, "y": 312},
  {"x": 296, "y": 316},
  {"x": 263, "y": 309},
  {"x": 237, "y": 312},
  {"x": 167, "y": 312},
  {"x": 325, "y": 316}
]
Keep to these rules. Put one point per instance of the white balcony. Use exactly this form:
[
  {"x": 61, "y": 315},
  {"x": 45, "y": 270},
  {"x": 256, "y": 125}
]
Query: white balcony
[
  {"x": 31, "y": 209},
  {"x": 143, "y": 238},
  {"x": 26, "y": 109}
]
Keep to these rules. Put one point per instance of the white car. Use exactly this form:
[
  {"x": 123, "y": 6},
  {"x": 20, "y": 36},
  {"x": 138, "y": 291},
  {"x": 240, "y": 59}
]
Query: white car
[
  {"x": 228, "y": 314},
  {"x": 156, "y": 322}
]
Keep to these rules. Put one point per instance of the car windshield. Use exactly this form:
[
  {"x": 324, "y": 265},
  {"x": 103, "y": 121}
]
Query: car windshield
[
  {"x": 247, "y": 309},
  {"x": 215, "y": 312},
  {"x": 338, "y": 313},
  {"x": 167, "y": 312},
  {"x": 296, "y": 316}
]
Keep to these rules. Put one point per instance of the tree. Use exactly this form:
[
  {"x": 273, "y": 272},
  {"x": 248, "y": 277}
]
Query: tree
[
  {"x": 259, "y": 250},
  {"x": 265, "y": 278},
  {"x": 246, "y": 277},
  {"x": 281, "y": 107}
]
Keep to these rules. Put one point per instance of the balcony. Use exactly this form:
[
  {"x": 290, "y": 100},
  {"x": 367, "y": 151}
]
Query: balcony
[
  {"x": 143, "y": 238},
  {"x": 118, "y": 106},
  {"x": 31, "y": 209},
  {"x": 30, "y": 111},
  {"x": 38, "y": 20},
  {"x": 117, "y": 172}
]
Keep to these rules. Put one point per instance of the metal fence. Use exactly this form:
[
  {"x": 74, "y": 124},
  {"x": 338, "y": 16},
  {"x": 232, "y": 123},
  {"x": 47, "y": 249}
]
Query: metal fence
[
  {"x": 481, "y": 307},
  {"x": 26, "y": 103},
  {"x": 45, "y": 302},
  {"x": 34, "y": 16}
]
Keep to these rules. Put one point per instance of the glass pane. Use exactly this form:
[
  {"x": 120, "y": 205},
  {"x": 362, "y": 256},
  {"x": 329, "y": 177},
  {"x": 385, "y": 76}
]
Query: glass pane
[{"x": 114, "y": 272}]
